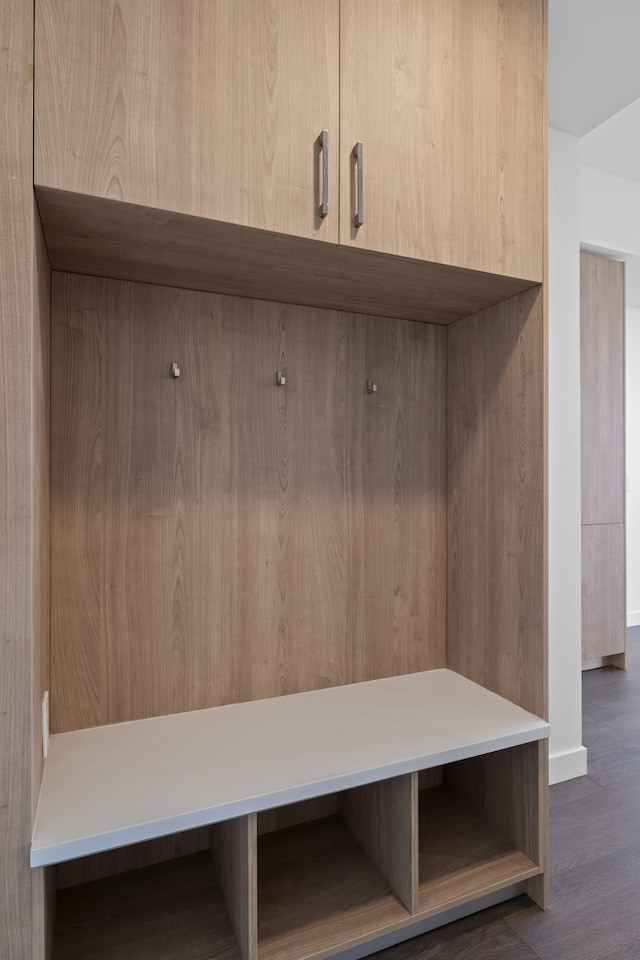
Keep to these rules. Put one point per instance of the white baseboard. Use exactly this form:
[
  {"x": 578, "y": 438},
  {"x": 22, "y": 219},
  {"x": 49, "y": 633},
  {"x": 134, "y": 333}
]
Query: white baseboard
[
  {"x": 568, "y": 765},
  {"x": 633, "y": 618}
]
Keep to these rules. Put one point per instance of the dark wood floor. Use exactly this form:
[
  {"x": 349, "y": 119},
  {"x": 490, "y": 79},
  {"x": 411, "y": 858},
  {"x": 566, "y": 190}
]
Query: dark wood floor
[{"x": 595, "y": 851}]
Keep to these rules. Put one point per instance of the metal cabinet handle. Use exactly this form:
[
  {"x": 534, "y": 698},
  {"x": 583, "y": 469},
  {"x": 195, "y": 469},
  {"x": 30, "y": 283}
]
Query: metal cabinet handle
[
  {"x": 358, "y": 220},
  {"x": 324, "y": 147}
]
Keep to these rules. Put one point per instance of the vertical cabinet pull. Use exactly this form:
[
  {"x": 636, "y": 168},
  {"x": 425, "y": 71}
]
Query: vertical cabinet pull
[
  {"x": 358, "y": 220},
  {"x": 324, "y": 148}
]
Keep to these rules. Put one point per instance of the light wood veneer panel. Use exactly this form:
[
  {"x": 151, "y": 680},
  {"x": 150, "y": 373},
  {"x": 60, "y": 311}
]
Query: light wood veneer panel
[
  {"x": 170, "y": 912},
  {"x": 383, "y": 817},
  {"x": 461, "y": 856},
  {"x": 317, "y": 808},
  {"x": 72, "y": 873},
  {"x": 234, "y": 852},
  {"x": 602, "y": 389},
  {"x": 448, "y": 100},
  {"x": 217, "y": 538},
  {"x": 318, "y": 892},
  {"x": 24, "y": 522},
  {"x": 396, "y": 494},
  {"x": 503, "y": 787},
  {"x": 604, "y": 609},
  {"x": 496, "y": 565},
  {"x": 205, "y": 108},
  {"x": 114, "y": 239},
  {"x": 509, "y": 790}
]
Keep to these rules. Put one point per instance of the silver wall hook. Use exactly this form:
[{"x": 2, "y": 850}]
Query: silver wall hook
[
  {"x": 371, "y": 386},
  {"x": 175, "y": 370},
  {"x": 280, "y": 378}
]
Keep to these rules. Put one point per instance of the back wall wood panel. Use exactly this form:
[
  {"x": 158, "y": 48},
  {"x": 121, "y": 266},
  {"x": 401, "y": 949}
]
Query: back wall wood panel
[{"x": 217, "y": 538}]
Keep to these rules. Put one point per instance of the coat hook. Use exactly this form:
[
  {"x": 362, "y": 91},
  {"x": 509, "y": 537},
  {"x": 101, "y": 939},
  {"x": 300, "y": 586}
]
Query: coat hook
[
  {"x": 175, "y": 370},
  {"x": 280, "y": 378},
  {"x": 371, "y": 386}
]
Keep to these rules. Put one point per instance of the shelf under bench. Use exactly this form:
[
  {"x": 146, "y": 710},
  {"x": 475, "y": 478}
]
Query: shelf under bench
[{"x": 112, "y": 786}]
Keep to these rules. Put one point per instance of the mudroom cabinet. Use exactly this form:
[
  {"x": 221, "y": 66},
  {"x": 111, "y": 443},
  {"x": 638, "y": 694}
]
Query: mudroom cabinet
[{"x": 293, "y": 391}]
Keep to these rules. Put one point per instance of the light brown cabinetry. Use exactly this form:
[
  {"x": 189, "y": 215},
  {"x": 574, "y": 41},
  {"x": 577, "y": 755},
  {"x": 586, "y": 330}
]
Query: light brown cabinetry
[
  {"x": 446, "y": 98},
  {"x": 214, "y": 109},
  {"x": 233, "y": 518},
  {"x": 602, "y": 455},
  {"x": 206, "y": 108},
  {"x": 216, "y": 538},
  {"x": 603, "y": 593}
]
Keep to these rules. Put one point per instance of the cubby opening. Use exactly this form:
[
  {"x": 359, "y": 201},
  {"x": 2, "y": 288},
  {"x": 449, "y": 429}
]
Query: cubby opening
[
  {"x": 474, "y": 837},
  {"x": 338, "y": 880},
  {"x": 169, "y": 911}
]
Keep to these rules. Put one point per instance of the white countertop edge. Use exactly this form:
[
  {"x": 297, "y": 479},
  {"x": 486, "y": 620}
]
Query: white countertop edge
[{"x": 137, "y": 833}]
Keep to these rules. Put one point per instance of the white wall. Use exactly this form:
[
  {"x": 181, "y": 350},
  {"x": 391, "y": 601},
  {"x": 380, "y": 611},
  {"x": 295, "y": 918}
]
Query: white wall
[
  {"x": 568, "y": 758},
  {"x": 609, "y": 212},
  {"x": 633, "y": 464}
]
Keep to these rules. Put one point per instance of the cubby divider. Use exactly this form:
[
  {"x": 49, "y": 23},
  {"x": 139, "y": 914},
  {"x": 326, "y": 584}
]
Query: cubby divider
[
  {"x": 383, "y": 817},
  {"x": 233, "y": 849},
  {"x": 334, "y": 882}
]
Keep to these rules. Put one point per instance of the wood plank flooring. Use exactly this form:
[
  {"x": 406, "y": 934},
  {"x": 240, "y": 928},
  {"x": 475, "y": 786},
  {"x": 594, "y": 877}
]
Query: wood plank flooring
[{"x": 595, "y": 851}]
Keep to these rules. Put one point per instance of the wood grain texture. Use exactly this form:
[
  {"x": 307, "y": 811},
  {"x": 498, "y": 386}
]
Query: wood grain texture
[
  {"x": 602, "y": 389},
  {"x": 383, "y": 817},
  {"x": 41, "y": 374},
  {"x": 233, "y": 846},
  {"x": 241, "y": 538},
  {"x": 212, "y": 109},
  {"x": 23, "y": 476},
  {"x": 396, "y": 489},
  {"x": 453, "y": 149},
  {"x": 318, "y": 892},
  {"x": 503, "y": 787},
  {"x": 604, "y": 607},
  {"x": 294, "y": 813},
  {"x": 496, "y": 566},
  {"x": 114, "y": 239},
  {"x": 44, "y": 882},
  {"x": 539, "y": 888},
  {"x": 461, "y": 856},
  {"x": 97, "y": 866},
  {"x": 170, "y": 912}
]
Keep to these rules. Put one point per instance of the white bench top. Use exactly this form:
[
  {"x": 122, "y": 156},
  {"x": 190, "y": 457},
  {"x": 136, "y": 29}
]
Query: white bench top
[{"x": 115, "y": 785}]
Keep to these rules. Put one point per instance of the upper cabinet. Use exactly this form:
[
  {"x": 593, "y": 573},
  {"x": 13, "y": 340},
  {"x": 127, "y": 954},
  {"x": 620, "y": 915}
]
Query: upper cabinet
[
  {"x": 447, "y": 99},
  {"x": 216, "y": 108},
  {"x": 208, "y": 107}
]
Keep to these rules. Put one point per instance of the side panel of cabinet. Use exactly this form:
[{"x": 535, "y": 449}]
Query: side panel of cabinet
[
  {"x": 206, "y": 108},
  {"x": 447, "y": 98},
  {"x": 496, "y": 435}
]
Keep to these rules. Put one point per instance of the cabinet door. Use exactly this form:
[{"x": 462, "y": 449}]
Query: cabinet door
[
  {"x": 205, "y": 107},
  {"x": 447, "y": 98}
]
